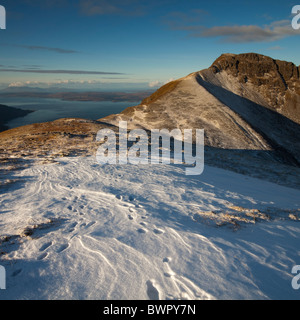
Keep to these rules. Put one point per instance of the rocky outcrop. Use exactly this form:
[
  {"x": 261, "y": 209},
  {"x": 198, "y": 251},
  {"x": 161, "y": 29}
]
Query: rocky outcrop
[{"x": 278, "y": 82}]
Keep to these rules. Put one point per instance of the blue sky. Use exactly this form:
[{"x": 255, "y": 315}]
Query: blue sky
[{"x": 139, "y": 44}]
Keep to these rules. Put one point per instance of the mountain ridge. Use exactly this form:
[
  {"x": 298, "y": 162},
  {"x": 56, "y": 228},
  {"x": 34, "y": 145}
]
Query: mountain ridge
[
  {"x": 244, "y": 132},
  {"x": 234, "y": 114}
]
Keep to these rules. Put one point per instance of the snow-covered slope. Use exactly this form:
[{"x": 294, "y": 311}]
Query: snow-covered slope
[
  {"x": 190, "y": 105},
  {"x": 78, "y": 230},
  {"x": 243, "y": 102}
]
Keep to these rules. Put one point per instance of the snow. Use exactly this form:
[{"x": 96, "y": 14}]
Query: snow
[{"x": 81, "y": 230}]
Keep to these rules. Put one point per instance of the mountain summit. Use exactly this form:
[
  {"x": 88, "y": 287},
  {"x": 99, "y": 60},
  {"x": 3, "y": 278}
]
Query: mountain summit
[
  {"x": 276, "y": 82},
  {"x": 244, "y": 102}
]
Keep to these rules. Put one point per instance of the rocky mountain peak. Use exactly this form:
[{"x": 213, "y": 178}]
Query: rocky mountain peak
[{"x": 278, "y": 82}]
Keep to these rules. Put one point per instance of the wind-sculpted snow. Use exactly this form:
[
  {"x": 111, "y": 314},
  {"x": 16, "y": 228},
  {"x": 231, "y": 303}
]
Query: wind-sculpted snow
[{"x": 79, "y": 230}]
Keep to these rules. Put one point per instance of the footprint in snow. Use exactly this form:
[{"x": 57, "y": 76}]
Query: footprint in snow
[
  {"x": 63, "y": 248},
  {"x": 71, "y": 227},
  {"x": 42, "y": 256},
  {"x": 158, "y": 231},
  {"x": 152, "y": 291},
  {"x": 129, "y": 198},
  {"x": 16, "y": 272},
  {"x": 90, "y": 224},
  {"x": 45, "y": 246},
  {"x": 142, "y": 230},
  {"x": 169, "y": 273}
]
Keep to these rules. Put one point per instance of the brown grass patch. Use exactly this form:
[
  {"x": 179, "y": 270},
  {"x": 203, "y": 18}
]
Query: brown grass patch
[{"x": 167, "y": 88}]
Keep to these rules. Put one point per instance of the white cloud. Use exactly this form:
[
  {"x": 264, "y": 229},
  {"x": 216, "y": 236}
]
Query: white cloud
[
  {"x": 241, "y": 33},
  {"x": 251, "y": 33},
  {"x": 157, "y": 83},
  {"x": 170, "y": 80},
  {"x": 61, "y": 83},
  {"x": 153, "y": 84},
  {"x": 16, "y": 84}
]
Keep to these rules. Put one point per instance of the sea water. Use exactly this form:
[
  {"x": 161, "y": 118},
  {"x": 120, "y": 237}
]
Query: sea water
[{"x": 45, "y": 109}]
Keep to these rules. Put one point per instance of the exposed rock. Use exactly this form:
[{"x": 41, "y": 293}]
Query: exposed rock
[{"x": 276, "y": 81}]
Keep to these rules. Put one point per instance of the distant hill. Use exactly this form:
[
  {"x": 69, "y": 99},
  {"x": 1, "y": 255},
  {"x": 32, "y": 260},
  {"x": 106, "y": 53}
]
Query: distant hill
[
  {"x": 75, "y": 95},
  {"x": 10, "y": 113},
  {"x": 23, "y": 89}
]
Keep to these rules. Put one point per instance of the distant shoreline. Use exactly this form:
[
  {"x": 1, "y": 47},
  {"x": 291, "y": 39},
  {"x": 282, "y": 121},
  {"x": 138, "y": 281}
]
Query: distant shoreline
[
  {"x": 82, "y": 96},
  {"x": 46, "y": 109},
  {"x": 9, "y": 113}
]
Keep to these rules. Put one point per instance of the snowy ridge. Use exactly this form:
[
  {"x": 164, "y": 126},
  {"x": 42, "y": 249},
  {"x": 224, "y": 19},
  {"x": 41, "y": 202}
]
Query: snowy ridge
[
  {"x": 231, "y": 101},
  {"x": 191, "y": 105}
]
